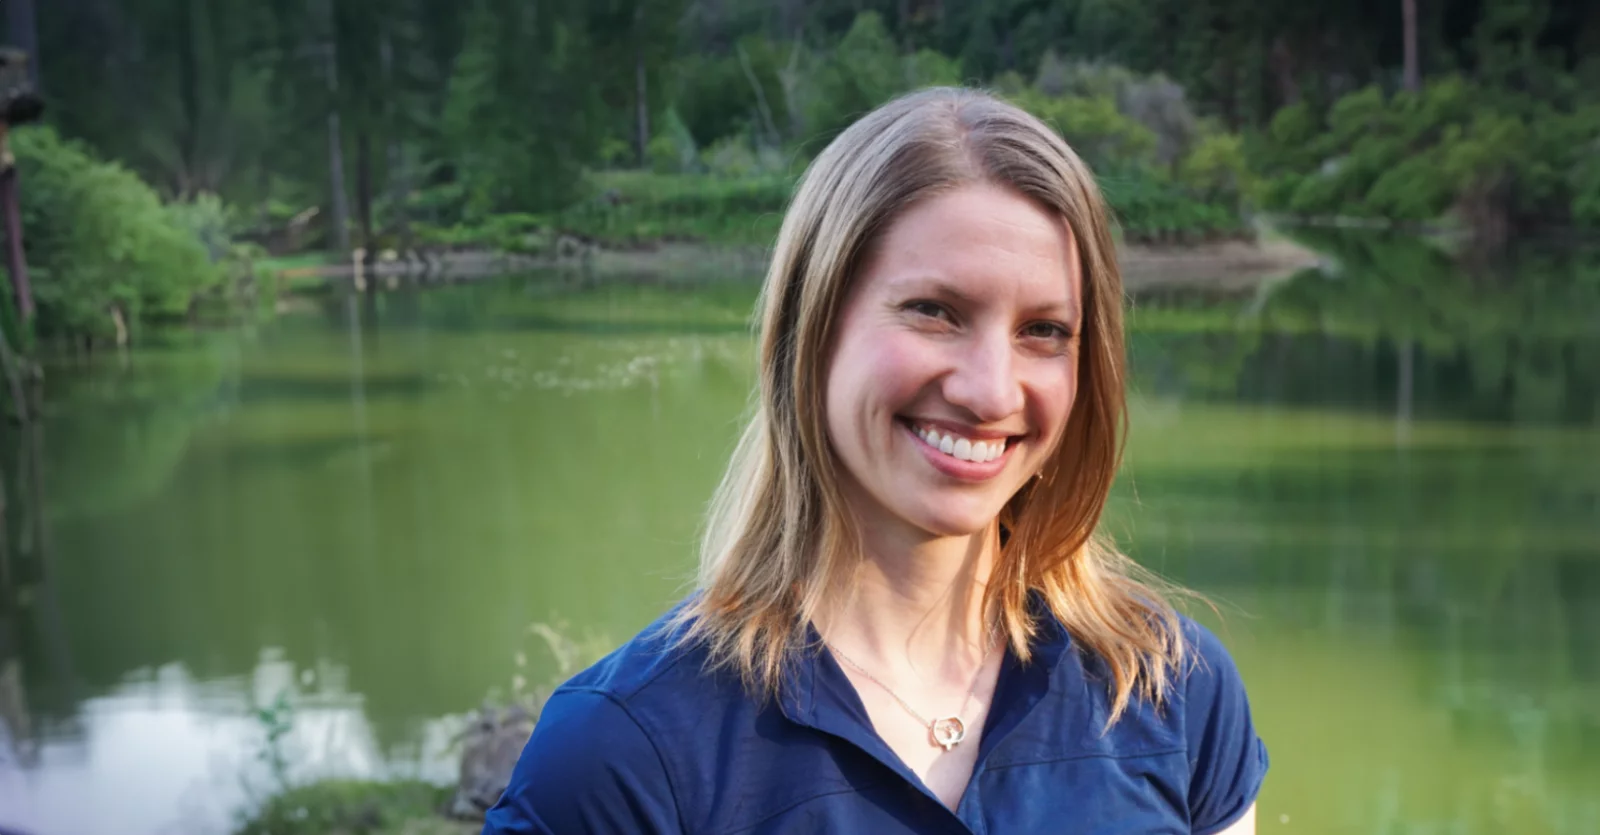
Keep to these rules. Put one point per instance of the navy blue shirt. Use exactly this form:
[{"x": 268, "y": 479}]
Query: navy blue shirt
[{"x": 646, "y": 741}]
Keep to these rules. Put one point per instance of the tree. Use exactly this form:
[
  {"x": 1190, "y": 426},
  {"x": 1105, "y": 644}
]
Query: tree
[{"x": 1413, "y": 72}]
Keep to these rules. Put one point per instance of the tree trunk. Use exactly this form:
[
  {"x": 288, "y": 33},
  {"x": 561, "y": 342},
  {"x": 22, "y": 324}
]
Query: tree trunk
[
  {"x": 642, "y": 104},
  {"x": 1405, "y": 387},
  {"x": 188, "y": 100},
  {"x": 364, "y": 194},
  {"x": 396, "y": 176},
  {"x": 16, "y": 260},
  {"x": 22, "y": 28},
  {"x": 11, "y": 365},
  {"x": 1413, "y": 76},
  {"x": 340, "y": 207},
  {"x": 1282, "y": 60}
]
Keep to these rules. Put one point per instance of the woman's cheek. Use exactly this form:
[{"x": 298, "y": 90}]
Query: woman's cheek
[
  {"x": 1053, "y": 391},
  {"x": 904, "y": 364}
]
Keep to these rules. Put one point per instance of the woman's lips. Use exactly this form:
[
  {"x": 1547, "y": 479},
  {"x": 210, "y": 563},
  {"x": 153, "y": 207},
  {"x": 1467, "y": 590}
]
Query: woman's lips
[{"x": 950, "y": 465}]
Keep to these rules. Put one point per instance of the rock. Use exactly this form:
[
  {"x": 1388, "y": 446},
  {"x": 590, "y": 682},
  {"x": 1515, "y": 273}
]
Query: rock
[{"x": 489, "y": 750}]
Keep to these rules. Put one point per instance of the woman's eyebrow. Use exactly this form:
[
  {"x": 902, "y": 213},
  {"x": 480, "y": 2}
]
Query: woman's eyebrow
[
  {"x": 1067, "y": 309},
  {"x": 933, "y": 286},
  {"x": 929, "y": 286}
]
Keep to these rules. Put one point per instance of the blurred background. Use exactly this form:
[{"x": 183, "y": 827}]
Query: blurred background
[{"x": 368, "y": 366}]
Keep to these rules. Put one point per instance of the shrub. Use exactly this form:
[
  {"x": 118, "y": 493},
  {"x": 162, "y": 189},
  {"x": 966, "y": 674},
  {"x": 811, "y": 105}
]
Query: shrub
[
  {"x": 100, "y": 243},
  {"x": 1094, "y": 128},
  {"x": 1216, "y": 169},
  {"x": 1453, "y": 146}
]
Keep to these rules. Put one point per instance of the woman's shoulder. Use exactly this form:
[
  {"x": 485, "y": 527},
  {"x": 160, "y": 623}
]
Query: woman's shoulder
[
  {"x": 1205, "y": 670},
  {"x": 654, "y": 659},
  {"x": 1227, "y": 758},
  {"x": 1207, "y": 664},
  {"x": 1205, "y": 715},
  {"x": 1204, "y": 700},
  {"x": 600, "y": 751}
]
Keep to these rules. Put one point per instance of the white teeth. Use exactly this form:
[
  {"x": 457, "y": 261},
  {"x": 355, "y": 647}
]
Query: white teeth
[{"x": 963, "y": 448}]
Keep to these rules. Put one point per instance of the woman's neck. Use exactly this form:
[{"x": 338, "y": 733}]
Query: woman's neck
[{"x": 913, "y": 610}]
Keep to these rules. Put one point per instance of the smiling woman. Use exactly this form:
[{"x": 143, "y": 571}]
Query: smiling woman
[{"x": 905, "y": 620}]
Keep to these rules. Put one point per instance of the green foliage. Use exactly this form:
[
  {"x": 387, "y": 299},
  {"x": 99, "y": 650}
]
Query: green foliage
[
  {"x": 1454, "y": 145},
  {"x": 737, "y": 156},
  {"x": 717, "y": 94},
  {"x": 1198, "y": 197},
  {"x": 507, "y": 232},
  {"x": 277, "y": 722},
  {"x": 1217, "y": 169},
  {"x": 672, "y": 149},
  {"x": 355, "y": 807},
  {"x": 1586, "y": 187},
  {"x": 526, "y": 156},
  {"x": 630, "y": 208},
  {"x": 101, "y": 244},
  {"x": 506, "y": 102},
  {"x": 1094, "y": 128},
  {"x": 1150, "y": 208},
  {"x": 865, "y": 69}
]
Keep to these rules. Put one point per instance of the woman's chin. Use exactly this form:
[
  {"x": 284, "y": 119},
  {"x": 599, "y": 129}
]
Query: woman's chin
[{"x": 956, "y": 521}]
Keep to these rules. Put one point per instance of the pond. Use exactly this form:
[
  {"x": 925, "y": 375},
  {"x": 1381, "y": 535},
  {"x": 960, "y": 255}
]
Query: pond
[{"x": 349, "y": 524}]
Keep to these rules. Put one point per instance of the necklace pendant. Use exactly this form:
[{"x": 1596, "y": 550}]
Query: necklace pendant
[{"x": 948, "y": 731}]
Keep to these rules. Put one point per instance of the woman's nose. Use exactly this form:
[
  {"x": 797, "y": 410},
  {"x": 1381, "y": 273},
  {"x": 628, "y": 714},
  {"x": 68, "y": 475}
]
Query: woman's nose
[{"x": 984, "y": 378}]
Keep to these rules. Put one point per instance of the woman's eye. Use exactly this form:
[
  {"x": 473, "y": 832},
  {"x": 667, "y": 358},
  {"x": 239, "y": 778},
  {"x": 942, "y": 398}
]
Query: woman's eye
[
  {"x": 932, "y": 310},
  {"x": 1046, "y": 330}
]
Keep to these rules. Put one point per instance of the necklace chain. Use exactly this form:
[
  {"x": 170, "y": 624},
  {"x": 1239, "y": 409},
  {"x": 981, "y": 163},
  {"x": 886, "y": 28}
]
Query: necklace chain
[{"x": 949, "y": 735}]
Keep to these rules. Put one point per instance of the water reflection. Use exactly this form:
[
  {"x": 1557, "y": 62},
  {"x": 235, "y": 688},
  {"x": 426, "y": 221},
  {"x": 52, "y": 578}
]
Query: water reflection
[
  {"x": 1385, "y": 473},
  {"x": 185, "y": 754}
]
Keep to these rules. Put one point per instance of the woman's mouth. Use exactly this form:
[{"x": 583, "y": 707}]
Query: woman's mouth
[{"x": 959, "y": 456}]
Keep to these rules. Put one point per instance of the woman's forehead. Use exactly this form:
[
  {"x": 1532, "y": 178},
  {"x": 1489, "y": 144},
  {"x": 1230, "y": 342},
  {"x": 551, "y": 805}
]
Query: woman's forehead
[{"x": 976, "y": 241}]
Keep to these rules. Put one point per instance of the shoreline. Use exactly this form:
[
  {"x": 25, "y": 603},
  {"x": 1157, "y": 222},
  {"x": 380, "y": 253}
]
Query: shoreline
[{"x": 1226, "y": 266}]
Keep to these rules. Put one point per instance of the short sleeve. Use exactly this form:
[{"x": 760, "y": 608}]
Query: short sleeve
[
  {"x": 588, "y": 768},
  {"x": 1227, "y": 761}
]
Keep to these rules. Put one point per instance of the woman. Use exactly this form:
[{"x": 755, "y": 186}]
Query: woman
[{"x": 905, "y": 623}]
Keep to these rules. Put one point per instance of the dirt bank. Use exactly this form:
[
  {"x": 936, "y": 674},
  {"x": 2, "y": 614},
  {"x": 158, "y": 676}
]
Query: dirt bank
[{"x": 1226, "y": 266}]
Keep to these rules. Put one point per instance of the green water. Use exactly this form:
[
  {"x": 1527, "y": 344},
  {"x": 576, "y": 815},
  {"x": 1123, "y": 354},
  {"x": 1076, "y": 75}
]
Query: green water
[{"x": 1388, "y": 475}]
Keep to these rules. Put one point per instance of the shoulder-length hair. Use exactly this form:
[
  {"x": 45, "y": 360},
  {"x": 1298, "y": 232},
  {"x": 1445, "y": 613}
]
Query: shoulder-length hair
[{"x": 780, "y": 536}]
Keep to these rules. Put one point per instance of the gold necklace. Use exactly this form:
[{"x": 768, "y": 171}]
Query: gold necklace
[{"x": 943, "y": 731}]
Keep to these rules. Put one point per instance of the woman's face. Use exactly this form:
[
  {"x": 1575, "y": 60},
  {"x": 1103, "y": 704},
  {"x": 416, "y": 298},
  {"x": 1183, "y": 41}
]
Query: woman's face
[{"x": 955, "y": 361}]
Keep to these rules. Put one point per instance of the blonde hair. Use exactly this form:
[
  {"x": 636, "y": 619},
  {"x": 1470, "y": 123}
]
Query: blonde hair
[{"x": 779, "y": 535}]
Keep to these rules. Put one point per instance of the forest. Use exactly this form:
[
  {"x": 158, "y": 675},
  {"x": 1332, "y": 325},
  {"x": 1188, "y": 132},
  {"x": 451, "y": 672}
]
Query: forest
[{"x": 186, "y": 140}]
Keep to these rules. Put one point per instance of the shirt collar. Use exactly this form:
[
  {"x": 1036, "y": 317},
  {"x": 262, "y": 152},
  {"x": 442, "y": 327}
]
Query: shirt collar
[{"x": 814, "y": 691}]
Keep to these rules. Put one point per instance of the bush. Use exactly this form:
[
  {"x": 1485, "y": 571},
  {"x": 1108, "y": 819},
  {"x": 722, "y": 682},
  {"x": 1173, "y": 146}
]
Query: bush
[
  {"x": 672, "y": 150},
  {"x": 1094, "y": 128},
  {"x": 1586, "y": 188},
  {"x": 1216, "y": 169},
  {"x": 1152, "y": 209},
  {"x": 354, "y": 806},
  {"x": 1152, "y": 101},
  {"x": 635, "y": 207},
  {"x": 101, "y": 244},
  {"x": 1453, "y": 146}
]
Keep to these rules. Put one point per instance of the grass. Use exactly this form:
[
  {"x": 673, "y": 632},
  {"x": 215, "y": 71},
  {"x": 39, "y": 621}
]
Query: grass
[
  {"x": 637, "y": 209},
  {"x": 357, "y": 807},
  {"x": 633, "y": 207}
]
